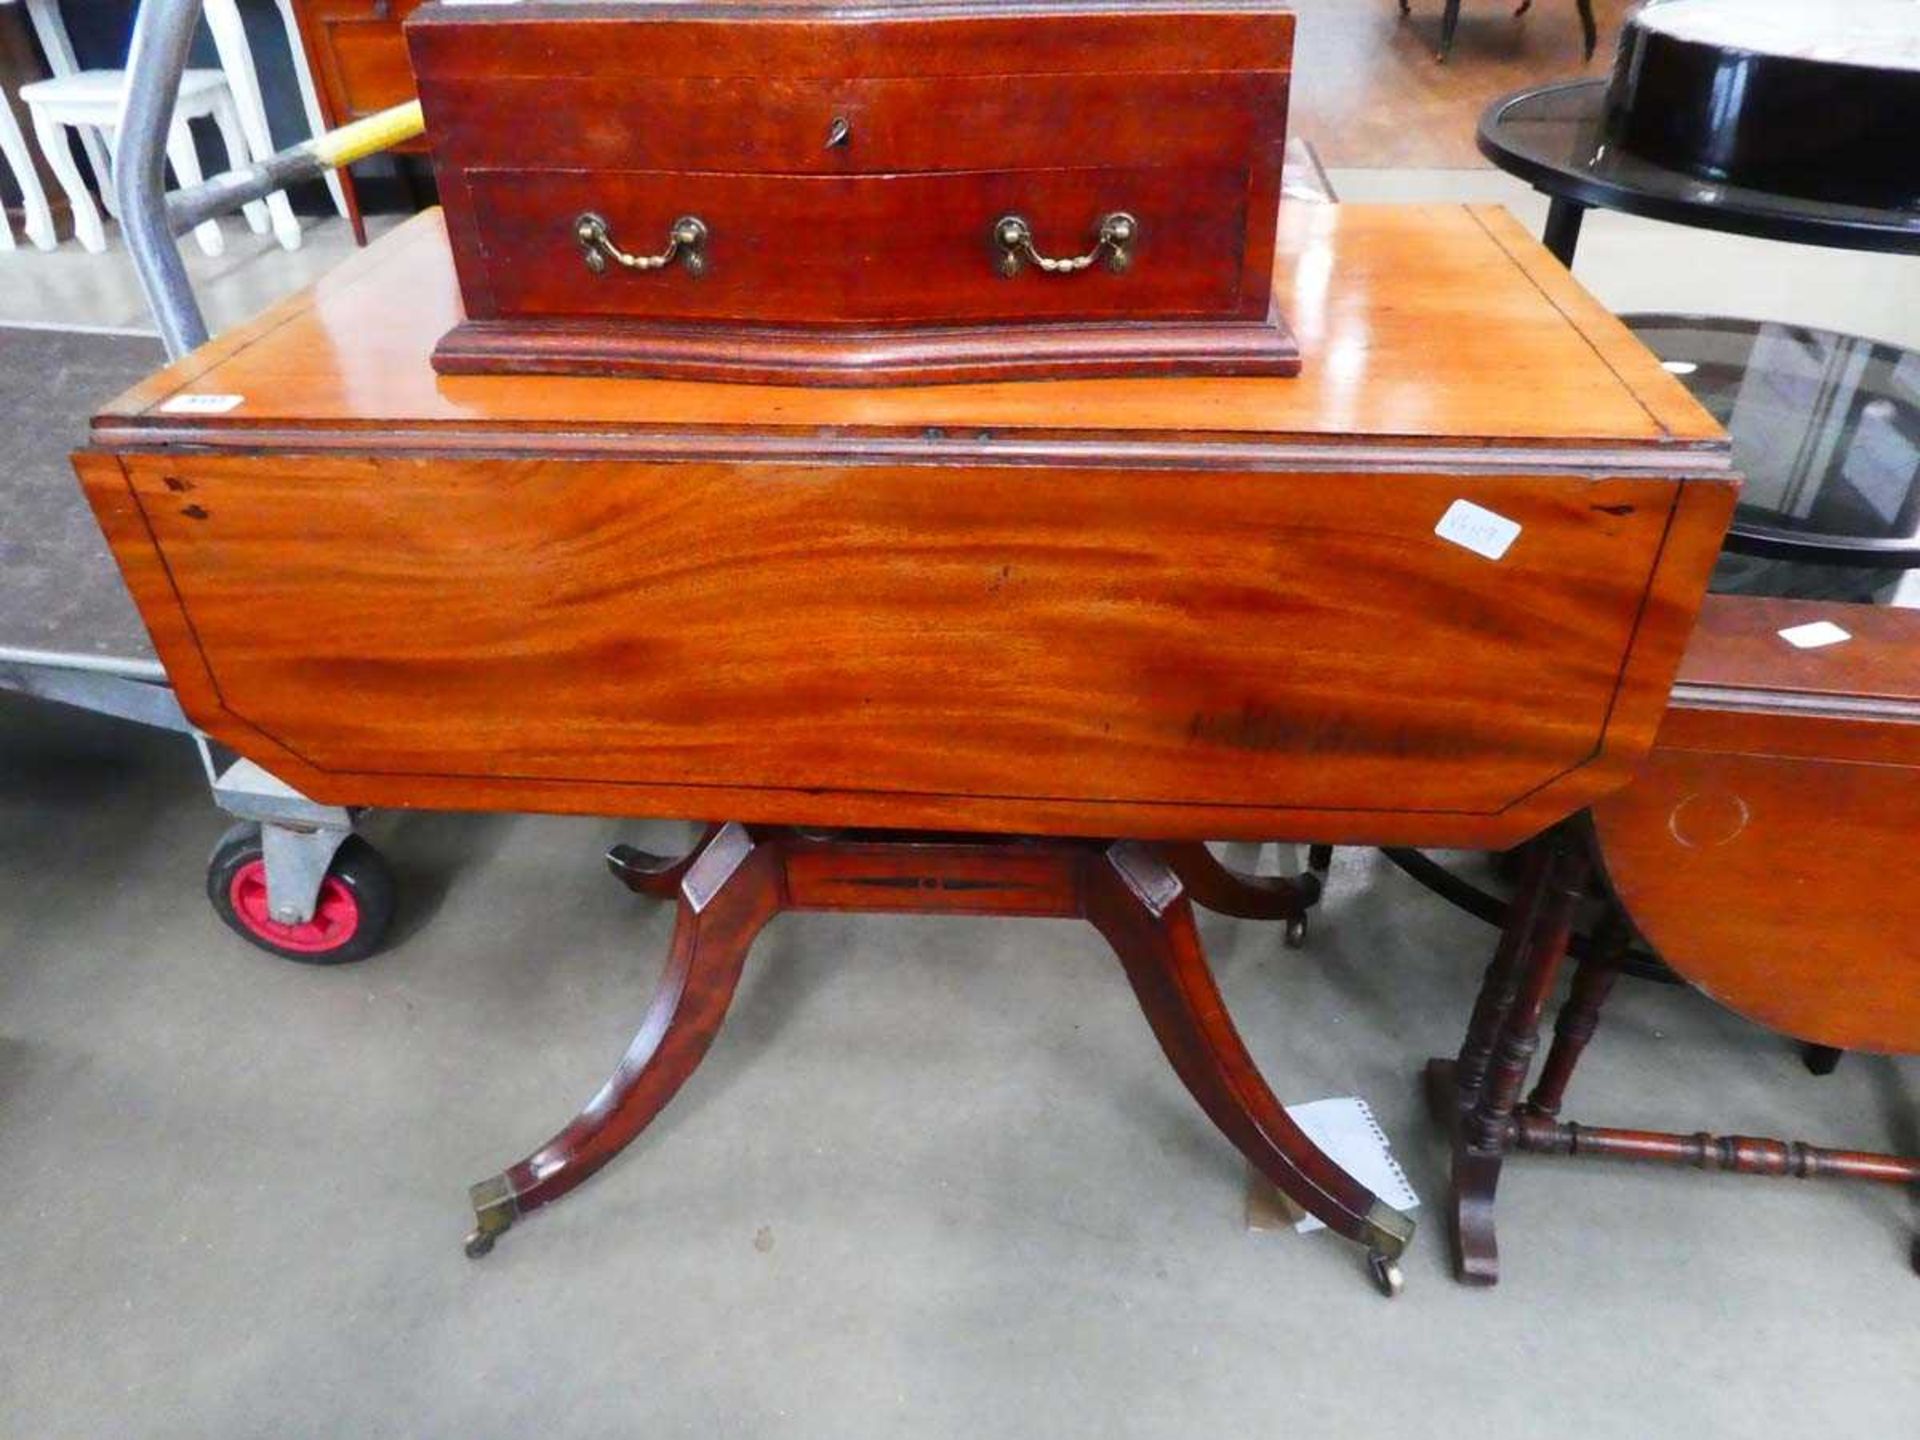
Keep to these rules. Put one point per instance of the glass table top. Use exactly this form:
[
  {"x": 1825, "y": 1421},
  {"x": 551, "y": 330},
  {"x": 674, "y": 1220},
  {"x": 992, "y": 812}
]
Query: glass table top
[
  {"x": 1826, "y": 432},
  {"x": 1554, "y": 137}
]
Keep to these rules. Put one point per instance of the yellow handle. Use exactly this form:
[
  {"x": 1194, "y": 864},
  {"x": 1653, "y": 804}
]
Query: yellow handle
[{"x": 361, "y": 138}]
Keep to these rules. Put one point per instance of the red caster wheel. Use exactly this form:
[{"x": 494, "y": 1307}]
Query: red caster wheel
[{"x": 350, "y": 918}]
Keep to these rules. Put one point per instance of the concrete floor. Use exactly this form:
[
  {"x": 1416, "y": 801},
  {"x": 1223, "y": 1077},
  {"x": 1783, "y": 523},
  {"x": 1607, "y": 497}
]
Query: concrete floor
[
  {"x": 68, "y": 289},
  {"x": 935, "y": 1178}
]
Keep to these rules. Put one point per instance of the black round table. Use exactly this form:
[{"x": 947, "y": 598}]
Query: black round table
[
  {"x": 1826, "y": 433},
  {"x": 1554, "y": 137}
]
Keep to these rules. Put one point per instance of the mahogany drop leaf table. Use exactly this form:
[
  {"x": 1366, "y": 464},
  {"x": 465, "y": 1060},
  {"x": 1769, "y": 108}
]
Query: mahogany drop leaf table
[{"x": 1012, "y": 648}]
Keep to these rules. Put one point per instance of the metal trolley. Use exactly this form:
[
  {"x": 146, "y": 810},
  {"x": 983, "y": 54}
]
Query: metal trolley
[{"x": 290, "y": 875}]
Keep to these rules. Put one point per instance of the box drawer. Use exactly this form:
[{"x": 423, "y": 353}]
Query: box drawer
[
  {"x": 811, "y": 126},
  {"x": 862, "y": 249}
]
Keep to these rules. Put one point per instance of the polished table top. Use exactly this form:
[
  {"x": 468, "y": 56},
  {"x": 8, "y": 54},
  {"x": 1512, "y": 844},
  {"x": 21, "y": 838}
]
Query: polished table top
[{"x": 1441, "y": 325}]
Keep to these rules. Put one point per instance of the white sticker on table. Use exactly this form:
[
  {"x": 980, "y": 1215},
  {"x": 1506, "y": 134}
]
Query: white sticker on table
[
  {"x": 201, "y": 404},
  {"x": 1814, "y": 634},
  {"x": 1478, "y": 529}
]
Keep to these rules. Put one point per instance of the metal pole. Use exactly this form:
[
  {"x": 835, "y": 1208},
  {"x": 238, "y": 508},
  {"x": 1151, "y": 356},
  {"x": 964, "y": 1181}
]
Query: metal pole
[
  {"x": 162, "y": 35},
  {"x": 309, "y": 160}
]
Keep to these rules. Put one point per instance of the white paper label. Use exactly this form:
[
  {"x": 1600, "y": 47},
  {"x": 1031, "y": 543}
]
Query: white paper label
[
  {"x": 1814, "y": 634},
  {"x": 201, "y": 404},
  {"x": 1477, "y": 529}
]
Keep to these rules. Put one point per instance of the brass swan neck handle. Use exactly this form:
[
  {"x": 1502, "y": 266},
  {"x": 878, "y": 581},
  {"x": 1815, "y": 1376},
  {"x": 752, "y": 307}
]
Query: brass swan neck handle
[
  {"x": 686, "y": 242},
  {"x": 1114, "y": 239}
]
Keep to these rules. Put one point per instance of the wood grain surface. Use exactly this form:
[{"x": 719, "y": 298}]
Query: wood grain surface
[
  {"x": 1737, "y": 646},
  {"x": 879, "y": 355},
  {"x": 779, "y": 125},
  {"x": 1743, "y": 688},
  {"x": 1765, "y": 846},
  {"x": 1154, "y": 654},
  {"x": 822, "y": 40},
  {"x": 1782, "y": 887},
  {"x": 795, "y": 607}
]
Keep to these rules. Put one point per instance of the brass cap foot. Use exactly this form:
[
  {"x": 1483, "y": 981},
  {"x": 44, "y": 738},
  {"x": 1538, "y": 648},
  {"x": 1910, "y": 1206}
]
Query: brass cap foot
[
  {"x": 494, "y": 1211},
  {"x": 1389, "y": 1231}
]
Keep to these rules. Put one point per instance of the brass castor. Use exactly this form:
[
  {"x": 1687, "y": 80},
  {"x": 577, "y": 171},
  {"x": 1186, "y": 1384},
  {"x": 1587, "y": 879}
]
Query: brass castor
[{"x": 1387, "y": 1277}]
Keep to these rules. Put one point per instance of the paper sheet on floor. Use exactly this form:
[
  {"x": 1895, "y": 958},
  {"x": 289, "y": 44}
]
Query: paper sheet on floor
[{"x": 1344, "y": 1127}]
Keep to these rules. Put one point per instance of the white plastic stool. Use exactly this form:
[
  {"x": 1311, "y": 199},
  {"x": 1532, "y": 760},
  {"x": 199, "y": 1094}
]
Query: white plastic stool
[
  {"x": 33, "y": 200},
  {"x": 222, "y": 19},
  {"x": 89, "y": 100}
]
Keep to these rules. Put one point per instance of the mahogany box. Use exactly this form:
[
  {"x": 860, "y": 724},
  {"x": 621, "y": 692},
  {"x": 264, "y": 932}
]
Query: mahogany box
[{"x": 918, "y": 191}]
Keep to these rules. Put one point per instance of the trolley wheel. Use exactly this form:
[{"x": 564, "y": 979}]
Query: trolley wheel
[{"x": 350, "y": 917}]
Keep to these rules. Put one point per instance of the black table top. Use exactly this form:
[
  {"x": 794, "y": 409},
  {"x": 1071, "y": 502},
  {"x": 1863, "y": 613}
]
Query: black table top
[
  {"x": 1553, "y": 137},
  {"x": 1826, "y": 431}
]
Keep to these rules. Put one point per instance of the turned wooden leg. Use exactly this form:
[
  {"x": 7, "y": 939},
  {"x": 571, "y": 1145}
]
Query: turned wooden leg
[
  {"x": 1219, "y": 887},
  {"x": 1580, "y": 1016},
  {"x": 1501, "y": 983},
  {"x": 1478, "y": 1119},
  {"x": 645, "y": 873},
  {"x": 1520, "y": 1031},
  {"x": 731, "y": 890},
  {"x": 1134, "y": 898}
]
